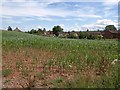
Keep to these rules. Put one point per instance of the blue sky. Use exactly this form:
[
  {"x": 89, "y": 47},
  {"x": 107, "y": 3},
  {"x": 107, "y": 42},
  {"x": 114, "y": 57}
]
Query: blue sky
[{"x": 77, "y": 15}]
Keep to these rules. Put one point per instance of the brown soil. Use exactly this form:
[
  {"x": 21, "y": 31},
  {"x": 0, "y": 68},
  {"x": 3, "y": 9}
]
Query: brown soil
[{"x": 33, "y": 60}]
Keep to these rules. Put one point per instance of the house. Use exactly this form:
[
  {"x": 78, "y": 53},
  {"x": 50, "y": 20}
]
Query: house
[
  {"x": 77, "y": 33},
  {"x": 18, "y": 30},
  {"x": 73, "y": 34},
  {"x": 119, "y": 34},
  {"x": 110, "y": 34},
  {"x": 48, "y": 33},
  {"x": 95, "y": 33}
]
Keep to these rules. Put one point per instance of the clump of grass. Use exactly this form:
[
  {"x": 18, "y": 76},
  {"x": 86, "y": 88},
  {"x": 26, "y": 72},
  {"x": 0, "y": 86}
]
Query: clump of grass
[
  {"x": 50, "y": 63},
  {"x": 18, "y": 64},
  {"x": 30, "y": 84},
  {"x": 34, "y": 60},
  {"x": 40, "y": 75},
  {"x": 6, "y": 72},
  {"x": 103, "y": 66},
  {"x": 25, "y": 72},
  {"x": 57, "y": 81}
]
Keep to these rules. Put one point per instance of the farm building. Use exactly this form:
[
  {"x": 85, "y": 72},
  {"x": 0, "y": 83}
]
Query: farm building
[
  {"x": 48, "y": 33},
  {"x": 110, "y": 34},
  {"x": 95, "y": 33},
  {"x": 119, "y": 34}
]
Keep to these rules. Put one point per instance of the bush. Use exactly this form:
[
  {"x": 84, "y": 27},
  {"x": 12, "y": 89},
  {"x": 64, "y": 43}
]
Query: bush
[
  {"x": 94, "y": 37},
  {"x": 83, "y": 35},
  {"x": 73, "y": 35}
]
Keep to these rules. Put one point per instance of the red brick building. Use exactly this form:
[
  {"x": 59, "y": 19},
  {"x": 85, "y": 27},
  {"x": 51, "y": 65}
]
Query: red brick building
[
  {"x": 110, "y": 34},
  {"x": 95, "y": 33}
]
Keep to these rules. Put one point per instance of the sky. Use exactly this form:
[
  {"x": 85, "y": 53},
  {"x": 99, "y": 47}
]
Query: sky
[{"x": 71, "y": 16}]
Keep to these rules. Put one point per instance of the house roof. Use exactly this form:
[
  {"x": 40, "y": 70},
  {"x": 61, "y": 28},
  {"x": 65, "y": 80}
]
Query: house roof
[
  {"x": 95, "y": 32},
  {"x": 113, "y": 31}
]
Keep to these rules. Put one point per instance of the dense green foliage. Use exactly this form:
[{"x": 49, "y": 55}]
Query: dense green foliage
[
  {"x": 110, "y": 27},
  {"x": 37, "y": 32},
  {"x": 83, "y": 35},
  {"x": 57, "y": 30},
  {"x": 73, "y": 35},
  {"x": 9, "y": 28},
  {"x": 19, "y": 39}
]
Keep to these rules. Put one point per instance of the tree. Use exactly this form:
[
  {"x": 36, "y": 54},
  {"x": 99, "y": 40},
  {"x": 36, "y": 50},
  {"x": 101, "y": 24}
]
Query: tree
[
  {"x": 44, "y": 29},
  {"x": 39, "y": 30},
  {"x": 83, "y": 35},
  {"x": 9, "y": 28},
  {"x": 57, "y": 30},
  {"x": 87, "y": 30},
  {"x": 110, "y": 27},
  {"x": 33, "y": 31},
  {"x": 73, "y": 35}
]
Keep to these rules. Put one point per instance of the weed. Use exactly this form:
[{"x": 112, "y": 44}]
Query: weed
[
  {"x": 57, "y": 80},
  {"x": 18, "y": 64},
  {"x": 6, "y": 72},
  {"x": 7, "y": 81},
  {"x": 30, "y": 84},
  {"x": 40, "y": 75},
  {"x": 25, "y": 72},
  {"x": 34, "y": 61}
]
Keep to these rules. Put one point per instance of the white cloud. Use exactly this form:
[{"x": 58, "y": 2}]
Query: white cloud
[
  {"x": 87, "y": 12},
  {"x": 74, "y": 27},
  {"x": 100, "y": 24},
  {"x": 62, "y": 25},
  {"x": 90, "y": 16},
  {"x": 109, "y": 5},
  {"x": 110, "y": 2},
  {"x": 51, "y": 1},
  {"x": 104, "y": 22},
  {"x": 37, "y": 8},
  {"x": 78, "y": 18},
  {"x": 110, "y": 11},
  {"x": 25, "y": 19},
  {"x": 6, "y": 17},
  {"x": 45, "y": 18},
  {"x": 11, "y": 21},
  {"x": 14, "y": 0},
  {"x": 34, "y": 11},
  {"x": 39, "y": 26}
]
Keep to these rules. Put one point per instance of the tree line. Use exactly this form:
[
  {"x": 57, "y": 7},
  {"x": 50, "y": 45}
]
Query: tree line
[{"x": 56, "y": 30}]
